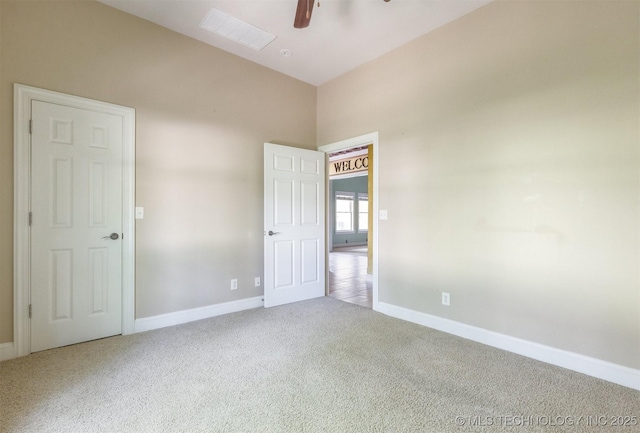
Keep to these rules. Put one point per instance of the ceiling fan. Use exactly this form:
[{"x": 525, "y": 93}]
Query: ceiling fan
[{"x": 303, "y": 13}]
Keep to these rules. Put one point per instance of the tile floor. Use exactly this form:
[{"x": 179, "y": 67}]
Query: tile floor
[{"x": 348, "y": 278}]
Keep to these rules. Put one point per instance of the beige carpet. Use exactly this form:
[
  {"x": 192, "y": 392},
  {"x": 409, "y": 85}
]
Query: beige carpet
[{"x": 315, "y": 366}]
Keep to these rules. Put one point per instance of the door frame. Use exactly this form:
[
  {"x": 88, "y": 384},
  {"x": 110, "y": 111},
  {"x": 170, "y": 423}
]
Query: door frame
[
  {"x": 362, "y": 140},
  {"x": 23, "y": 95}
]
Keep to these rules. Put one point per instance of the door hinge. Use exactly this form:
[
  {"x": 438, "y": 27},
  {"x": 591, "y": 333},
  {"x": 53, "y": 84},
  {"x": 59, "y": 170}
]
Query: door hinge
[
  {"x": 30, "y": 311},
  {"x": 30, "y": 126},
  {"x": 30, "y": 218}
]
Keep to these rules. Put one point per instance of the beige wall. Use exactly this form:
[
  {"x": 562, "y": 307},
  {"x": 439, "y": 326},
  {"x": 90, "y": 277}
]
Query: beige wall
[
  {"x": 509, "y": 165},
  {"x": 509, "y": 160},
  {"x": 202, "y": 118}
]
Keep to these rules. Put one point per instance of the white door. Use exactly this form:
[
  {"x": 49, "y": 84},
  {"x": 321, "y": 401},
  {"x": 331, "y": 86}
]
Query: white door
[
  {"x": 294, "y": 265},
  {"x": 76, "y": 229}
]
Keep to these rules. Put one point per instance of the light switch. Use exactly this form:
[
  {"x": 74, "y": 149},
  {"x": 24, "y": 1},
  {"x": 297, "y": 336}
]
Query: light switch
[
  {"x": 139, "y": 213},
  {"x": 383, "y": 214}
]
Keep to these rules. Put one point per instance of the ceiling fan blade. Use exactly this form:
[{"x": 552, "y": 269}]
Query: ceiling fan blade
[{"x": 303, "y": 14}]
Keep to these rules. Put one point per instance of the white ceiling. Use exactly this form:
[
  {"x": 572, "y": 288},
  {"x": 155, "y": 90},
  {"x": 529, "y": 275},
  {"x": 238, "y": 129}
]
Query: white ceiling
[{"x": 343, "y": 34}]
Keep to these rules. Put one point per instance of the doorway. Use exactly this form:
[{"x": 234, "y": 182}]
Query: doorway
[
  {"x": 352, "y": 209},
  {"x": 349, "y": 202}
]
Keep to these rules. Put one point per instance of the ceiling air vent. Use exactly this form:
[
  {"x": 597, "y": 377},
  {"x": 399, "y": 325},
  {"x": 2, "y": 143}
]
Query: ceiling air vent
[{"x": 238, "y": 31}]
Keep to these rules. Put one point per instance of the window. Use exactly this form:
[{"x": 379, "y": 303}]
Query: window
[
  {"x": 344, "y": 211},
  {"x": 363, "y": 212}
]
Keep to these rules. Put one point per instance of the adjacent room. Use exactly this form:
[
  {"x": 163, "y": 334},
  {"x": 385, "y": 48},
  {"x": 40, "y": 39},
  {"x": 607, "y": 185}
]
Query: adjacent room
[
  {"x": 495, "y": 225},
  {"x": 351, "y": 225}
]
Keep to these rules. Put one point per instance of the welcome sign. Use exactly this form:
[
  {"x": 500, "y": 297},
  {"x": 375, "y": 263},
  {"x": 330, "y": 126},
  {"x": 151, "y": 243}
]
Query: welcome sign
[{"x": 349, "y": 165}]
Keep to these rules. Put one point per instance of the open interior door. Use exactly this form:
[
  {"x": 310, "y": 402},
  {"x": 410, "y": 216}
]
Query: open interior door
[{"x": 294, "y": 224}]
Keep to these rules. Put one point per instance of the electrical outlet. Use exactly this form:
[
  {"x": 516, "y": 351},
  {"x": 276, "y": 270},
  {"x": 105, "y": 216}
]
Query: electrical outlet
[
  {"x": 234, "y": 284},
  {"x": 257, "y": 281},
  {"x": 446, "y": 299}
]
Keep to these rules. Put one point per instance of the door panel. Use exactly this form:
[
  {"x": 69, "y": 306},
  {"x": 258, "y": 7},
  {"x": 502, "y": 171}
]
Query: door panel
[
  {"x": 294, "y": 215},
  {"x": 310, "y": 258},
  {"x": 283, "y": 264},
  {"x": 283, "y": 207},
  {"x": 60, "y": 280},
  {"x": 76, "y": 201},
  {"x": 310, "y": 200},
  {"x": 98, "y": 280},
  {"x": 61, "y": 200}
]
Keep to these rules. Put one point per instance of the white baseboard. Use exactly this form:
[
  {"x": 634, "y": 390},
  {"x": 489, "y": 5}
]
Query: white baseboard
[
  {"x": 350, "y": 244},
  {"x": 608, "y": 371},
  {"x": 186, "y": 316},
  {"x": 6, "y": 351}
]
